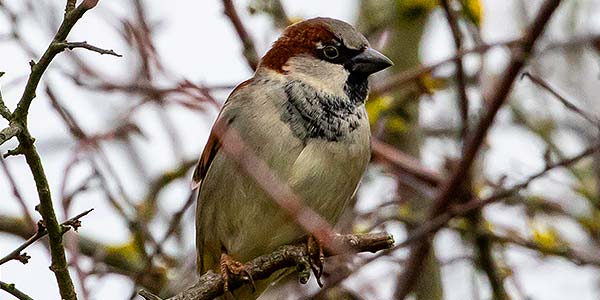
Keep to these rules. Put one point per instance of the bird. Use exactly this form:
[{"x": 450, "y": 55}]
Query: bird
[{"x": 303, "y": 114}]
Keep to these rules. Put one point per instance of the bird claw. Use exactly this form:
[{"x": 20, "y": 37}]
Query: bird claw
[
  {"x": 316, "y": 257},
  {"x": 228, "y": 267},
  {"x": 303, "y": 269}
]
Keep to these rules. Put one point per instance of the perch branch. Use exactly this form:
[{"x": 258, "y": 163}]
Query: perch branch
[{"x": 210, "y": 285}]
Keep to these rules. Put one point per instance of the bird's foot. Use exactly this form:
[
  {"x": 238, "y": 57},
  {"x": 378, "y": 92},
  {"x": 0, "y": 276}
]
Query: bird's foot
[
  {"x": 229, "y": 267},
  {"x": 315, "y": 257}
]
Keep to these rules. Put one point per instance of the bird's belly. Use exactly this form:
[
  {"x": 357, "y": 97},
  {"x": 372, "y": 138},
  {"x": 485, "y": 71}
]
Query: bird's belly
[{"x": 248, "y": 223}]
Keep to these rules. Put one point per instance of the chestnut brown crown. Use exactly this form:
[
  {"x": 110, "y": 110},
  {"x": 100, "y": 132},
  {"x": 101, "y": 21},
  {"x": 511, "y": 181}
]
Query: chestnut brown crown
[{"x": 324, "y": 38}]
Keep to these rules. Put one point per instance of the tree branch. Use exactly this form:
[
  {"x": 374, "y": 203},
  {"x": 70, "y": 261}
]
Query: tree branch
[
  {"x": 210, "y": 285},
  {"x": 11, "y": 289},
  {"x": 28, "y": 149},
  {"x": 564, "y": 101}
]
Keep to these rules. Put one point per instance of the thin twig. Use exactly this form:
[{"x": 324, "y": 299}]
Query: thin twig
[
  {"x": 11, "y": 289},
  {"x": 463, "y": 102},
  {"x": 568, "y": 104},
  {"x": 41, "y": 232},
  {"x": 85, "y": 45},
  {"x": 28, "y": 149},
  {"x": 9, "y": 132},
  {"x": 16, "y": 193}
]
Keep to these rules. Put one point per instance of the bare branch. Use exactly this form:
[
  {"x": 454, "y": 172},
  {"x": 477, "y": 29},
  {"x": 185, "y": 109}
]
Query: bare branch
[
  {"x": 16, "y": 193},
  {"x": 210, "y": 285}
]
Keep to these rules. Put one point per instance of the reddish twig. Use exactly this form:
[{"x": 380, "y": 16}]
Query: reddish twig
[
  {"x": 16, "y": 193},
  {"x": 250, "y": 52},
  {"x": 568, "y": 104},
  {"x": 463, "y": 102}
]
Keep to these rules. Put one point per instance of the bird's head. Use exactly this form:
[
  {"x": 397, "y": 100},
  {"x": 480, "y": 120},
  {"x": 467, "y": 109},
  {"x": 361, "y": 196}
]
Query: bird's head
[{"x": 325, "y": 53}]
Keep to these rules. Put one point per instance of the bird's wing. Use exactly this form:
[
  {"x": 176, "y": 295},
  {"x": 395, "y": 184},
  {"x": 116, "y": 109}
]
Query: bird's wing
[
  {"x": 203, "y": 167},
  {"x": 213, "y": 144},
  {"x": 208, "y": 154}
]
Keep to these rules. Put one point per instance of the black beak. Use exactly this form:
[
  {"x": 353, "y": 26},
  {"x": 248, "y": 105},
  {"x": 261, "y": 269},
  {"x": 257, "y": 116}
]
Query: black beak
[{"x": 368, "y": 62}]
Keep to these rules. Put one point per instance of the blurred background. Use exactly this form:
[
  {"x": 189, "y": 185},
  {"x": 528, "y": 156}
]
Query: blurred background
[{"x": 121, "y": 135}]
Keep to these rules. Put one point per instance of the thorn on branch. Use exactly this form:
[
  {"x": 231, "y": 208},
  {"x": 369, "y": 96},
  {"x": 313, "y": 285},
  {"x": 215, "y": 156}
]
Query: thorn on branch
[
  {"x": 75, "y": 222},
  {"x": 14, "y": 152},
  {"x": 23, "y": 257}
]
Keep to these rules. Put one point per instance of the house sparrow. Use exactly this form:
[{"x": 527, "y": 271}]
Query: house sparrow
[{"x": 303, "y": 114}]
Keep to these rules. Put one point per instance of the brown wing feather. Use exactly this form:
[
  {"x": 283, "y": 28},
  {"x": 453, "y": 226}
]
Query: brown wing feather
[
  {"x": 212, "y": 145},
  {"x": 208, "y": 154}
]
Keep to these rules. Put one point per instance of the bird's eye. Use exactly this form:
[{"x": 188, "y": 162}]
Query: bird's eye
[{"x": 331, "y": 52}]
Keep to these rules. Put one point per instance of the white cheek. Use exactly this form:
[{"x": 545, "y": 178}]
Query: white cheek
[{"x": 319, "y": 74}]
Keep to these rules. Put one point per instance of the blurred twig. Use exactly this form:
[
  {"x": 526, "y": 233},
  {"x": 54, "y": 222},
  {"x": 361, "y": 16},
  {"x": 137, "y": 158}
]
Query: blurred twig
[
  {"x": 249, "y": 49},
  {"x": 567, "y": 103},
  {"x": 463, "y": 102}
]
